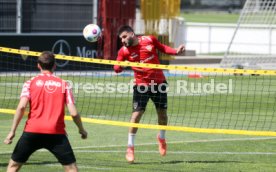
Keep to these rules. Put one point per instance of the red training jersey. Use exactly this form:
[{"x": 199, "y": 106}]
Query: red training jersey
[
  {"x": 145, "y": 52},
  {"x": 47, "y": 96}
]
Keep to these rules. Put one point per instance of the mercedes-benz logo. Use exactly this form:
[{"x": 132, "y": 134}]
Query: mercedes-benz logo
[{"x": 61, "y": 47}]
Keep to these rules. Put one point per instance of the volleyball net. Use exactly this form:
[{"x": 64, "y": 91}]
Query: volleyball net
[{"x": 208, "y": 100}]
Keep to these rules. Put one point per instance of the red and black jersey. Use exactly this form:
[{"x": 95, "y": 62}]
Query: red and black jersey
[
  {"x": 47, "y": 95},
  {"x": 145, "y": 52}
]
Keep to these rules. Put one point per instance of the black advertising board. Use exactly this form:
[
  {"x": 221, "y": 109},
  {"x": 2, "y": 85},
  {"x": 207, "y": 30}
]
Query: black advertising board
[{"x": 73, "y": 45}]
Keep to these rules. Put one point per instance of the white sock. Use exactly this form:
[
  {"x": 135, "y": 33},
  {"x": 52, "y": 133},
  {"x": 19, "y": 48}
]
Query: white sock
[
  {"x": 162, "y": 134},
  {"x": 131, "y": 137}
]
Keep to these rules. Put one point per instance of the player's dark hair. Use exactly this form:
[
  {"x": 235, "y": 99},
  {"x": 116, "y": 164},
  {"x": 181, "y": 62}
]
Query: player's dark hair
[
  {"x": 125, "y": 28},
  {"x": 46, "y": 60}
]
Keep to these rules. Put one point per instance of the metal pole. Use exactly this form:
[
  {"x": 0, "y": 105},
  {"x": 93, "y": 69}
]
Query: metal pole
[
  {"x": 209, "y": 37},
  {"x": 95, "y": 11},
  {"x": 270, "y": 41},
  {"x": 18, "y": 16},
  {"x": 247, "y": 3}
]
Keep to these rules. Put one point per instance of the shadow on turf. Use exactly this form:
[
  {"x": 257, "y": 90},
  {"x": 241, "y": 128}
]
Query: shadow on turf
[
  {"x": 178, "y": 162},
  {"x": 32, "y": 163},
  {"x": 168, "y": 162},
  {"x": 41, "y": 163},
  {"x": 3, "y": 164},
  {"x": 214, "y": 162}
]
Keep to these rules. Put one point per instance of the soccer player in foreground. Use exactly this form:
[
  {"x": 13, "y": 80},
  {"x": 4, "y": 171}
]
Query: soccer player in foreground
[
  {"x": 149, "y": 83},
  {"x": 45, "y": 127}
]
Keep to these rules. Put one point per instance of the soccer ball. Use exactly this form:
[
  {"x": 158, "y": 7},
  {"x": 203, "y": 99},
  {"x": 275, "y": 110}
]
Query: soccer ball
[{"x": 92, "y": 32}]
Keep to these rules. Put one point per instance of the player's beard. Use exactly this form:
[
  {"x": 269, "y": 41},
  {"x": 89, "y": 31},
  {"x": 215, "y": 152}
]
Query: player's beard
[{"x": 129, "y": 42}]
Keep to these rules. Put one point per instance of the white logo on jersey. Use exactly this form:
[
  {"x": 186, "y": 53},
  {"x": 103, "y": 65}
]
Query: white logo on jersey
[
  {"x": 149, "y": 47},
  {"x": 147, "y": 59},
  {"x": 39, "y": 83},
  {"x": 135, "y": 105},
  {"x": 52, "y": 83},
  {"x": 51, "y": 86},
  {"x": 146, "y": 38},
  {"x": 133, "y": 55}
]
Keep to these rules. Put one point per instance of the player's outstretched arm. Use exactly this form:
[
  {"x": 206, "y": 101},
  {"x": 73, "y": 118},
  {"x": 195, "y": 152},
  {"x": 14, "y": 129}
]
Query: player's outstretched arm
[
  {"x": 120, "y": 57},
  {"x": 118, "y": 69},
  {"x": 77, "y": 120},
  {"x": 166, "y": 49},
  {"x": 181, "y": 49},
  {"x": 17, "y": 118}
]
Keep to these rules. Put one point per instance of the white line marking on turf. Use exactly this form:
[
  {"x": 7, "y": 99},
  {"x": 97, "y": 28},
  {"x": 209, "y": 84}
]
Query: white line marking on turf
[
  {"x": 180, "y": 152},
  {"x": 175, "y": 142},
  {"x": 172, "y": 152},
  {"x": 80, "y": 166},
  {"x": 169, "y": 152}
]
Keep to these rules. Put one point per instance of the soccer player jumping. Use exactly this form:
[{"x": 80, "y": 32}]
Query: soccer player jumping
[{"x": 149, "y": 83}]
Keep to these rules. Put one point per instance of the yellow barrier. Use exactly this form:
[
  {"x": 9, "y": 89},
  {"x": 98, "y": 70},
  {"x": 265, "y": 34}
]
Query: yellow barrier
[
  {"x": 145, "y": 65},
  {"x": 161, "y": 127}
]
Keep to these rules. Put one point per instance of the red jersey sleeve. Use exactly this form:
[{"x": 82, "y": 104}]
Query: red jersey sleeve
[
  {"x": 120, "y": 57},
  {"x": 26, "y": 90},
  {"x": 69, "y": 95},
  {"x": 163, "y": 48}
]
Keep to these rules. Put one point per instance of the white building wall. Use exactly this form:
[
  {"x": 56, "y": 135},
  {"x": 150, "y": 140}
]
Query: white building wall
[{"x": 214, "y": 38}]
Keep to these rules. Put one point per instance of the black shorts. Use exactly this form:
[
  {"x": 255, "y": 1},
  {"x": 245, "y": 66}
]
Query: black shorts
[
  {"x": 57, "y": 144},
  {"x": 142, "y": 94}
]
